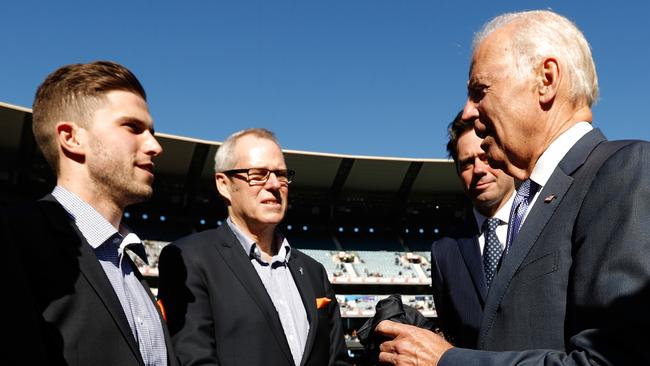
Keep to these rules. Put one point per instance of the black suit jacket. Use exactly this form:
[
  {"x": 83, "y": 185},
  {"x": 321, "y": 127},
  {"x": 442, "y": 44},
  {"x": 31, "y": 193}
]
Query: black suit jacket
[
  {"x": 575, "y": 287},
  {"x": 458, "y": 285},
  {"x": 219, "y": 312},
  {"x": 65, "y": 311}
]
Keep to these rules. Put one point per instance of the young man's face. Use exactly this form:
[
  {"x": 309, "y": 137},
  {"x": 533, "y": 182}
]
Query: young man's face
[
  {"x": 121, "y": 147},
  {"x": 485, "y": 186}
]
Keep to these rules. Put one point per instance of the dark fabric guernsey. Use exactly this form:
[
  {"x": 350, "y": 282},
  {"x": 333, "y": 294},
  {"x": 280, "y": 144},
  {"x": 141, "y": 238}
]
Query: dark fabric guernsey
[{"x": 390, "y": 308}]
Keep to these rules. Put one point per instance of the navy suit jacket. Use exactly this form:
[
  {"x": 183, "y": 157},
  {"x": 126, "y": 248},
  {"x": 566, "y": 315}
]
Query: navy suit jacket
[
  {"x": 575, "y": 287},
  {"x": 219, "y": 312},
  {"x": 61, "y": 308},
  {"x": 458, "y": 284}
]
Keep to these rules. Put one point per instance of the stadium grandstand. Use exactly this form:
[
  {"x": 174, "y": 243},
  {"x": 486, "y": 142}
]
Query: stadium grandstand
[{"x": 369, "y": 220}]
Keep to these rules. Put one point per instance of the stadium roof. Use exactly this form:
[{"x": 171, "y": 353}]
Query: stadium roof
[{"x": 188, "y": 162}]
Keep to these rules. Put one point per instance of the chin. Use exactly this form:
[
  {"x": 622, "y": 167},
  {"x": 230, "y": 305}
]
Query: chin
[
  {"x": 137, "y": 195},
  {"x": 273, "y": 218}
]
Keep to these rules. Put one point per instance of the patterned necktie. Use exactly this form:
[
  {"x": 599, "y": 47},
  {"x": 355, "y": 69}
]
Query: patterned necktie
[
  {"x": 492, "y": 249},
  {"x": 524, "y": 196}
]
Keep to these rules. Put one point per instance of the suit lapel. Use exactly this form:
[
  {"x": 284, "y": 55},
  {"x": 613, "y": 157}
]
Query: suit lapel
[
  {"x": 96, "y": 276},
  {"x": 297, "y": 268},
  {"x": 92, "y": 271},
  {"x": 469, "y": 249},
  {"x": 541, "y": 212},
  {"x": 240, "y": 265}
]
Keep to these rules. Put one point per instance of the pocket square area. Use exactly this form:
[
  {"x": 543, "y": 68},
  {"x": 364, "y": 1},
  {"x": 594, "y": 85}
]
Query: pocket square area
[{"x": 321, "y": 302}]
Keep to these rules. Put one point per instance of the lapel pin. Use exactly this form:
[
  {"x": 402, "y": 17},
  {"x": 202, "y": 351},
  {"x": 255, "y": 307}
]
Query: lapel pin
[
  {"x": 549, "y": 198},
  {"x": 300, "y": 269}
]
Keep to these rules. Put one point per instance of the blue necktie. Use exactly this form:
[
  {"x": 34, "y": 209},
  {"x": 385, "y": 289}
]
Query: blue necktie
[
  {"x": 492, "y": 249},
  {"x": 524, "y": 196}
]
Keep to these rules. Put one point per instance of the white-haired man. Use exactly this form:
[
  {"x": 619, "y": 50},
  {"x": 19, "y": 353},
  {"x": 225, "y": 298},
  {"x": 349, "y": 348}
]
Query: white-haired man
[{"x": 574, "y": 285}]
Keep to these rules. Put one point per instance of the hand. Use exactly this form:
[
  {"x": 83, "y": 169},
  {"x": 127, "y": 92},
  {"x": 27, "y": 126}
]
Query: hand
[{"x": 410, "y": 345}]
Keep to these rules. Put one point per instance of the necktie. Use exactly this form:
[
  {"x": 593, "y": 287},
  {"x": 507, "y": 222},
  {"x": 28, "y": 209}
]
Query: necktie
[
  {"x": 492, "y": 249},
  {"x": 524, "y": 196}
]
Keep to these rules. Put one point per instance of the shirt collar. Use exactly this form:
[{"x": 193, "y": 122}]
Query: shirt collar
[
  {"x": 253, "y": 250},
  {"x": 556, "y": 151},
  {"x": 94, "y": 227},
  {"x": 503, "y": 214}
]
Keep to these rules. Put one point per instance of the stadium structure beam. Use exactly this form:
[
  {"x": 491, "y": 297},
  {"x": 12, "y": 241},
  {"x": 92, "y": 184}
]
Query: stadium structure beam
[
  {"x": 29, "y": 156},
  {"x": 193, "y": 177},
  {"x": 341, "y": 176},
  {"x": 26, "y": 151},
  {"x": 408, "y": 181}
]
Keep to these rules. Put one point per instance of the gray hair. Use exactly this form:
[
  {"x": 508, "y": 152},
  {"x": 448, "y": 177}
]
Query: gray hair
[
  {"x": 225, "y": 158},
  {"x": 542, "y": 33}
]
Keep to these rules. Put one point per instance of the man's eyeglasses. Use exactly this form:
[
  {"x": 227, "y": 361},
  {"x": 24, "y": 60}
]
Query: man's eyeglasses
[{"x": 259, "y": 176}]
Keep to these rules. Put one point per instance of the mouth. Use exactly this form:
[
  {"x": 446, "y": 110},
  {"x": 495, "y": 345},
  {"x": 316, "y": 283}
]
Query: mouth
[
  {"x": 482, "y": 185},
  {"x": 146, "y": 166},
  {"x": 271, "y": 202}
]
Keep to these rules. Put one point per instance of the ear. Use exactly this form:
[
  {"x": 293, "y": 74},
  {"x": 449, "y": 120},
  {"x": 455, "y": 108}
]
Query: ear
[
  {"x": 70, "y": 138},
  {"x": 549, "y": 80},
  {"x": 223, "y": 185}
]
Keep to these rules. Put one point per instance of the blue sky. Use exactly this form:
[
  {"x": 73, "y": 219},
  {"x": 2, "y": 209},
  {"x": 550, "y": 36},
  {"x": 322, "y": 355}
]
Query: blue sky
[{"x": 368, "y": 77}]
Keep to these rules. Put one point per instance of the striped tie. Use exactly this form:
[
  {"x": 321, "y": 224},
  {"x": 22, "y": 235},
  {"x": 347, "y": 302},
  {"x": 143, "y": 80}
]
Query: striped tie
[{"x": 524, "y": 196}]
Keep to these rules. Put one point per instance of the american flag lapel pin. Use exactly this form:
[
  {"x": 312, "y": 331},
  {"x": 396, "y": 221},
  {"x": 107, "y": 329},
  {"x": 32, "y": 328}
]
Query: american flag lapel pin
[{"x": 549, "y": 198}]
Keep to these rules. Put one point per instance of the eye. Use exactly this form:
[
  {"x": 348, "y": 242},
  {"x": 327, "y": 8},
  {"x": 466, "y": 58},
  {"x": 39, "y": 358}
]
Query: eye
[
  {"x": 476, "y": 92},
  {"x": 134, "y": 127},
  {"x": 255, "y": 174},
  {"x": 465, "y": 165}
]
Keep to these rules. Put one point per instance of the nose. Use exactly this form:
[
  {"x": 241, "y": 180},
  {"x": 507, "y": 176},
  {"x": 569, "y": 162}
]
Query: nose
[
  {"x": 470, "y": 112},
  {"x": 479, "y": 166},
  {"x": 151, "y": 145}
]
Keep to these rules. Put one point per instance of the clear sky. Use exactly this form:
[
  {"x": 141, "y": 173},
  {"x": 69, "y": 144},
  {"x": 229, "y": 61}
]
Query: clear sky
[{"x": 368, "y": 77}]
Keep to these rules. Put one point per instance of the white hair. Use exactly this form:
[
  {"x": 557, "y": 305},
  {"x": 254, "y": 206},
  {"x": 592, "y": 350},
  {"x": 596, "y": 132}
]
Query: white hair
[
  {"x": 542, "y": 33},
  {"x": 226, "y": 159}
]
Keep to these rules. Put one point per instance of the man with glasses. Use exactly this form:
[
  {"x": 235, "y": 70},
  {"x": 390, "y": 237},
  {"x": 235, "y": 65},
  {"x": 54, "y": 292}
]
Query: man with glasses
[{"x": 240, "y": 294}]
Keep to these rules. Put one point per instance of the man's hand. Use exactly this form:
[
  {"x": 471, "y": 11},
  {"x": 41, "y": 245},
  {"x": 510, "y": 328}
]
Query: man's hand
[{"x": 410, "y": 345}]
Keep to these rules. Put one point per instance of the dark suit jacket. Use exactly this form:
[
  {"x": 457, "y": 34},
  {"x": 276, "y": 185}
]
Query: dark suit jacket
[
  {"x": 458, "y": 285},
  {"x": 219, "y": 312},
  {"x": 65, "y": 310},
  {"x": 575, "y": 287}
]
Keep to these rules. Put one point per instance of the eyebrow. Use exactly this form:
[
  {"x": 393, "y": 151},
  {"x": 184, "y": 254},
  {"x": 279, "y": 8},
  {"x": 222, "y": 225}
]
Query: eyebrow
[
  {"x": 465, "y": 160},
  {"x": 474, "y": 83}
]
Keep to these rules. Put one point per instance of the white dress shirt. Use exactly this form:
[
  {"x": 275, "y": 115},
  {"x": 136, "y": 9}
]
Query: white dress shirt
[
  {"x": 552, "y": 156},
  {"x": 503, "y": 214}
]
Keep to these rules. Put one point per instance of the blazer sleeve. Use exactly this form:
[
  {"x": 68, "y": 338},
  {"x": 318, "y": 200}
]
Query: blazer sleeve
[
  {"x": 338, "y": 349},
  {"x": 185, "y": 298},
  {"x": 439, "y": 290},
  {"x": 21, "y": 302},
  {"x": 609, "y": 289}
]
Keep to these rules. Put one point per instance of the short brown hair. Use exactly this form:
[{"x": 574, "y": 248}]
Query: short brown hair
[
  {"x": 73, "y": 93},
  {"x": 457, "y": 128}
]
